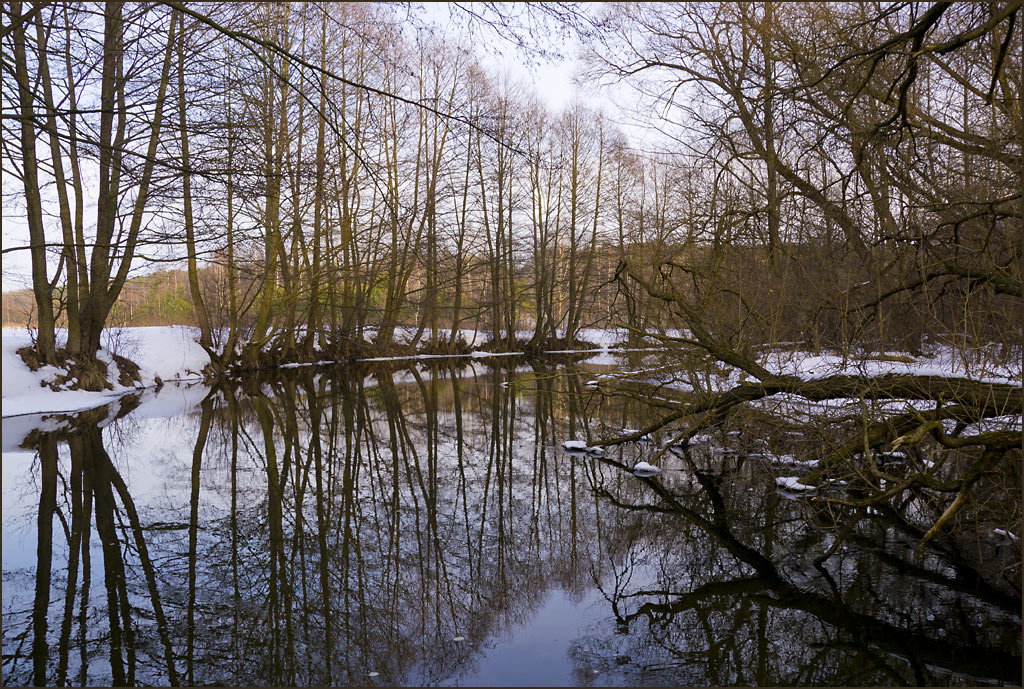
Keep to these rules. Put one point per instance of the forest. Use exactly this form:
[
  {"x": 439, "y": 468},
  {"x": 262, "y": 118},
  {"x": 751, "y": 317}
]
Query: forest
[
  {"x": 320, "y": 171},
  {"x": 810, "y": 213}
]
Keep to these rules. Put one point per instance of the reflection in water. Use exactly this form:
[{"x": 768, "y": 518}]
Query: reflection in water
[{"x": 319, "y": 528}]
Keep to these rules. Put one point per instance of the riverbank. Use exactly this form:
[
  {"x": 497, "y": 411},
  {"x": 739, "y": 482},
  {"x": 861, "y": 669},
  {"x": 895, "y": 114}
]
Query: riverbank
[{"x": 167, "y": 354}]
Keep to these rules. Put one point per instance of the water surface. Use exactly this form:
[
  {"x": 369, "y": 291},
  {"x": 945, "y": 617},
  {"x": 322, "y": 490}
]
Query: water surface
[{"x": 424, "y": 526}]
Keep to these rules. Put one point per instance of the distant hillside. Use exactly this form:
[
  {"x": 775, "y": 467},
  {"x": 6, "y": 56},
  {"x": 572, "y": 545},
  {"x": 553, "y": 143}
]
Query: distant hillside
[
  {"x": 157, "y": 299},
  {"x": 18, "y": 308}
]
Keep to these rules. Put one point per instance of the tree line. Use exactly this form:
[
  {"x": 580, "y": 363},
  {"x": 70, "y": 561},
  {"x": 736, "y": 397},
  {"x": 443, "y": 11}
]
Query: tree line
[{"x": 840, "y": 176}]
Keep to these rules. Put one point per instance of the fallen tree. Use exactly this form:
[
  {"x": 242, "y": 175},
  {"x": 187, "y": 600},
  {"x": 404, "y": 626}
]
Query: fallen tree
[{"x": 973, "y": 420}]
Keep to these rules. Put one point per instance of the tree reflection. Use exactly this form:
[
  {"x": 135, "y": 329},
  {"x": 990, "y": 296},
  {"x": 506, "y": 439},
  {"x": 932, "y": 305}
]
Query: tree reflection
[
  {"x": 752, "y": 614},
  {"x": 93, "y": 488},
  {"x": 314, "y": 528},
  {"x": 44, "y": 557}
]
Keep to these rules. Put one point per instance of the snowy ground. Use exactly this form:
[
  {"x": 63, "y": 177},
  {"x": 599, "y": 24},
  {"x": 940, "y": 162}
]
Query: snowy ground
[{"x": 169, "y": 353}]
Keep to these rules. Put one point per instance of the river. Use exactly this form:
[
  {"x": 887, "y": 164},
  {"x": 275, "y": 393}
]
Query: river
[{"x": 424, "y": 525}]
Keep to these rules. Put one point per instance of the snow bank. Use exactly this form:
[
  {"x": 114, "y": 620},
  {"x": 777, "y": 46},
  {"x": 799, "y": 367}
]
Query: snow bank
[
  {"x": 169, "y": 353},
  {"x": 602, "y": 338},
  {"x": 25, "y": 391}
]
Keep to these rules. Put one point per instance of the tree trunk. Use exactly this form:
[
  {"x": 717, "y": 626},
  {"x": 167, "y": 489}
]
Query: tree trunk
[
  {"x": 46, "y": 348},
  {"x": 198, "y": 303}
]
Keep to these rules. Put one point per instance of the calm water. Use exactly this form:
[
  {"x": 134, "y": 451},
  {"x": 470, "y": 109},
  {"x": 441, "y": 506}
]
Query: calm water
[{"x": 426, "y": 527}]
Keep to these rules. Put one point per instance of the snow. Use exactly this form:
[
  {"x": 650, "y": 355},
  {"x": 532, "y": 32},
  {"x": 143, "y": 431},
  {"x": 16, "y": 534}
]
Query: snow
[
  {"x": 788, "y": 460},
  {"x": 792, "y": 483},
  {"x": 166, "y": 352},
  {"x": 25, "y": 391},
  {"x": 1008, "y": 534},
  {"x": 601, "y": 337},
  {"x": 170, "y": 352},
  {"x": 627, "y": 432},
  {"x": 645, "y": 469},
  {"x": 943, "y": 362},
  {"x": 581, "y": 446}
]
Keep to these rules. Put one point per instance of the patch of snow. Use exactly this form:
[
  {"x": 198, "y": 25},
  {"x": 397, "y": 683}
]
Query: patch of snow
[
  {"x": 792, "y": 483},
  {"x": 171, "y": 352},
  {"x": 791, "y": 460},
  {"x": 1008, "y": 534},
  {"x": 645, "y": 469},
  {"x": 580, "y": 446},
  {"x": 604, "y": 338}
]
